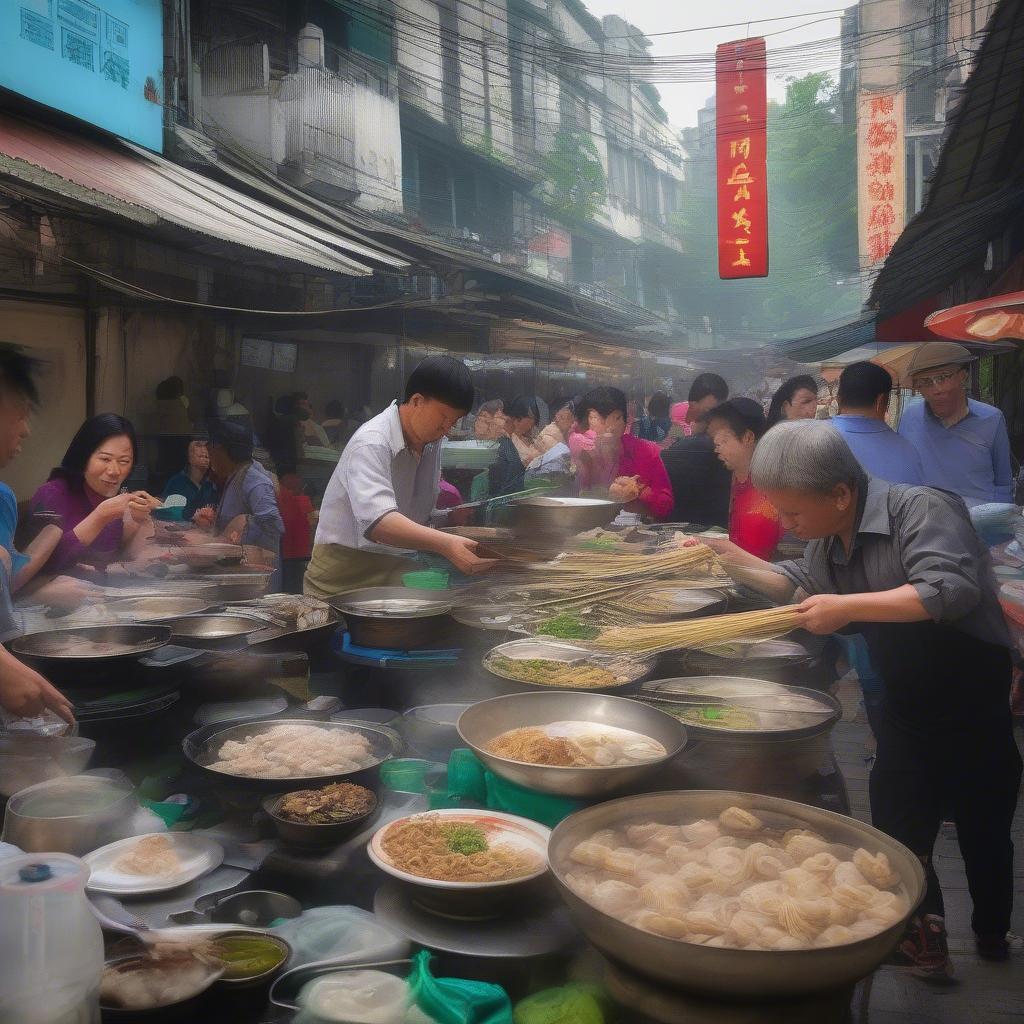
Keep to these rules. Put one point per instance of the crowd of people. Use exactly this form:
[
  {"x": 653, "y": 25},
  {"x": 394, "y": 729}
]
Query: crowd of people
[{"x": 891, "y": 559}]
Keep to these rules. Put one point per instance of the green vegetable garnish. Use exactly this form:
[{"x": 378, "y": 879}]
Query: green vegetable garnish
[
  {"x": 712, "y": 714},
  {"x": 567, "y": 627},
  {"x": 465, "y": 839}
]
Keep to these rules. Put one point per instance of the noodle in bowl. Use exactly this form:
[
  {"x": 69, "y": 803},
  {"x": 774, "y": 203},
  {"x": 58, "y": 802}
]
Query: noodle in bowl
[{"x": 521, "y": 846}]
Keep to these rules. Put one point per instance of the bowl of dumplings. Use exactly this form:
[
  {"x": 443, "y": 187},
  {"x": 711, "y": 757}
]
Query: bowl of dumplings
[{"x": 735, "y": 894}]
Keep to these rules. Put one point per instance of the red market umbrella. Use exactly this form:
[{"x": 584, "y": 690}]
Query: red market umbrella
[{"x": 986, "y": 320}]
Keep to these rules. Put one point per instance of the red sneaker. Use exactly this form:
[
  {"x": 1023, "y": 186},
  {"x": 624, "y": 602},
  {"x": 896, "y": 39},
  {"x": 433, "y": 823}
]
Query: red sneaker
[{"x": 924, "y": 950}]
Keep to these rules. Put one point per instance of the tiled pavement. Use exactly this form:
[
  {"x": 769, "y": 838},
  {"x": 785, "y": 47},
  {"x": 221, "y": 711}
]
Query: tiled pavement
[{"x": 985, "y": 993}]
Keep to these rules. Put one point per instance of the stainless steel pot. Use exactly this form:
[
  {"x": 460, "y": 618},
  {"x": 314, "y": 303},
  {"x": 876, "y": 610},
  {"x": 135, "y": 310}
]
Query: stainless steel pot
[
  {"x": 749, "y": 761},
  {"x": 394, "y": 618},
  {"x": 719, "y": 971}
]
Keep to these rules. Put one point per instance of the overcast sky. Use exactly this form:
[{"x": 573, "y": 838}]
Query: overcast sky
[{"x": 818, "y": 20}]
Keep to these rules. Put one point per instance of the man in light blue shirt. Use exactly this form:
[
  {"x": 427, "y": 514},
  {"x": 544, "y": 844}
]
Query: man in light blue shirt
[
  {"x": 963, "y": 444},
  {"x": 864, "y": 391}
]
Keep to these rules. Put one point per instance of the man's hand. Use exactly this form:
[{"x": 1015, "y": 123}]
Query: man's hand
[
  {"x": 204, "y": 517},
  {"x": 25, "y": 693},
  {"x": 461, "y": 552},
  {"x": 824, "y": 613}
]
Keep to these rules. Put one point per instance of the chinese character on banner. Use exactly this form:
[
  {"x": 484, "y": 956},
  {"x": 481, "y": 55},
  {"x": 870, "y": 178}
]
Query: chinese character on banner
[
  {"x": 741, "y": 96},
  {"x": 881, "y": 175}
]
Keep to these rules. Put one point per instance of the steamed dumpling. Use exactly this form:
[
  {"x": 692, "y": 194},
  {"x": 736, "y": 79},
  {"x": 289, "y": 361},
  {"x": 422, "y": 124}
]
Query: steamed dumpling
[
  {"x": 745, "y": 927},
  {"x": 701, "y": 832},
  {"x": 800, "y": 844},
  {"x": 802, "y": 918},
  {"x": 835, "y": 935},
  {"x": 822, "y": 864},
  {"x": 736, "y": 819},
  {"x": 876, "y": 869},
  {"x": 666, "y": 896},
  {"x": 614, "y": 897},
  {"x": 801, "y": 882},
  {"x": 857, "y": 897},
  {"x": 847, "y": 873}
]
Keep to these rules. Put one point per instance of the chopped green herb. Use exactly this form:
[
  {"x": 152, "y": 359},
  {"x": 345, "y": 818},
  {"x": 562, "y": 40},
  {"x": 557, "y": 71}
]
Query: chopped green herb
[
  {"x": 567, "y": 627},
  {"x": 465, "y": 839}
]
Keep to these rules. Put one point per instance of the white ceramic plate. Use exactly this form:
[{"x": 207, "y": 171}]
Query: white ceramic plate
[
  {"x": 197, "y": 854},
  {"x": 504, "y": 829}
]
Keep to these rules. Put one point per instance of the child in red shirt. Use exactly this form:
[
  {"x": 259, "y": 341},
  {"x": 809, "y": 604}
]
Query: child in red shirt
[
  {"x": 298, "y": 516},
  {"x": 735, "y": 427}
]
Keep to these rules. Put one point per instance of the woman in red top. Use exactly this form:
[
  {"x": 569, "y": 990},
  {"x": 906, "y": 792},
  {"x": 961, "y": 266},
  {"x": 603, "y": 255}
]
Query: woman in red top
[
  {"x": 735, "y": 427},
  {"x": 630, "y": 470}
]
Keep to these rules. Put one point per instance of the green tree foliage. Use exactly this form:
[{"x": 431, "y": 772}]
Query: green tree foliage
[
  {"x": 574, "y": 181},
  {"x": 812, "y": 224}
]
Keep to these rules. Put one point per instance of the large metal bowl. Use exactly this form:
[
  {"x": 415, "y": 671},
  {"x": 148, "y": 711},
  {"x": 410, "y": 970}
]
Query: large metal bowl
[
  {"x": 730, "y": 972},
  {"x": 158, "y": 607},
  {"x": 630, "y": 670},
  {"x": 747, "y": 760},
  {"x": 394, "y": 618},
  {"x": 482, "y": 722},
  {"x": 213, "y": 630},
  {"x": 202, "y": 745},
  {"x": 546, "y": 515}
]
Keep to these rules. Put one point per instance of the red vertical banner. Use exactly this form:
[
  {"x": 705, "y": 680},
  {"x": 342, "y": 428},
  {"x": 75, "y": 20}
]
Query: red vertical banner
[{"x": 741, "y": 99}]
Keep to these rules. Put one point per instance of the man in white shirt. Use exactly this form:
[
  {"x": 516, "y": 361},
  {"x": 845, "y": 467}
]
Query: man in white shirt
[{"x": 381, "y": 494}]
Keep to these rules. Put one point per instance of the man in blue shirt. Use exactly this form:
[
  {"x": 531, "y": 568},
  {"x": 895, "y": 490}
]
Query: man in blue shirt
[
  {"x": 864, "y": 391},
  {"x": 963, "y": 444}
]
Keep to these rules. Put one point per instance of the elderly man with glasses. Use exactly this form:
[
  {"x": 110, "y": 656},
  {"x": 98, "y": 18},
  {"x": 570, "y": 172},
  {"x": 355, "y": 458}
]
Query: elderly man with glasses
[{"x": 963, "y": 444}]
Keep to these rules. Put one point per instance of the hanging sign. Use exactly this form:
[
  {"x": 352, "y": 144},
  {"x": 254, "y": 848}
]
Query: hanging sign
[
  {"x": 741, "y": 82},
  {"x": 881, "y": 175}
]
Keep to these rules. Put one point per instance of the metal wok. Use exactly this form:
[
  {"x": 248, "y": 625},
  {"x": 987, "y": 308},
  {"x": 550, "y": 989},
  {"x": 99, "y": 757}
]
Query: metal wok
[
  {"x": 201, "y": 748},
  {"x": 54, "y": 651}
]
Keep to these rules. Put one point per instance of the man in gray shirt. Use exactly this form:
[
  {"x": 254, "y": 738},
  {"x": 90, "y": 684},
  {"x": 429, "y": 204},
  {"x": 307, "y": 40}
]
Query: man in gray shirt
[
  {"x": 381, "y": 494},
  {"x": 904, "y": 565}
]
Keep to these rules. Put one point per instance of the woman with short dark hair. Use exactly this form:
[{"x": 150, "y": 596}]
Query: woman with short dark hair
[
  {"x": 796, "y": 399},
  {"x": 85, "y": 490}
]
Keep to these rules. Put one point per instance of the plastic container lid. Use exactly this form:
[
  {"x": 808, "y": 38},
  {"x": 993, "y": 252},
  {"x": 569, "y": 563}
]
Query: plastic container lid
[{"x": 43, "y": 872}]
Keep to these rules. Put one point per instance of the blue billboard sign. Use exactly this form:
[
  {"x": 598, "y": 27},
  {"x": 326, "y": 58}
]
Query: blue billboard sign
[{"x": 99, "y": 61}]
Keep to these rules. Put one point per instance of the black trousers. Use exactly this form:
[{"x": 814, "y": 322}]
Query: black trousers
[{"x": 972, "y": 769}]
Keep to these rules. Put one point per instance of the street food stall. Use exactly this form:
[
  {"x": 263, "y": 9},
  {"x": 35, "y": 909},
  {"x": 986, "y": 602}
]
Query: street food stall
[{"x": 272, "y": 805}]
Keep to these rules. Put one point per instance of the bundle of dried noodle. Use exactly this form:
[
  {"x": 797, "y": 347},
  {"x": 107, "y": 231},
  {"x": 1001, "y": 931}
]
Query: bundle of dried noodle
[{"x": 699, "y": 634}]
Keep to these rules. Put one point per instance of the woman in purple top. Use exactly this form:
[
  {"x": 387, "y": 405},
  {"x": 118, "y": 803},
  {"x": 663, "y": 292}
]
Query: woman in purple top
[{"x": 99, "y": 521}]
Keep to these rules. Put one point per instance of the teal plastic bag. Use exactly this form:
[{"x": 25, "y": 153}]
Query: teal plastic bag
[
  {"x": 455, "y": 1001},
  {"x": 469, "y": 780}
]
